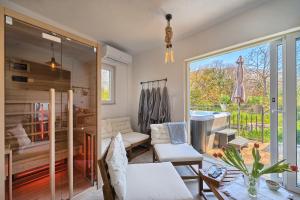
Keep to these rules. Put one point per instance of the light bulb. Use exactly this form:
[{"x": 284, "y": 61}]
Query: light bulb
[
  {"x": 52, "y": 65},
  {"x": 166, "y": 56},
  {"x": 172, "y": 56}
]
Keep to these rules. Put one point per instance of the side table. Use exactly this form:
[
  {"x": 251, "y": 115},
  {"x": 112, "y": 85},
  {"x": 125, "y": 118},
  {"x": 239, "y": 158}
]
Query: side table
[{"x": 225, "y": 136}]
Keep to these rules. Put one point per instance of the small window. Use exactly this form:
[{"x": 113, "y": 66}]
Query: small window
[{"x": 107, "y": 86}]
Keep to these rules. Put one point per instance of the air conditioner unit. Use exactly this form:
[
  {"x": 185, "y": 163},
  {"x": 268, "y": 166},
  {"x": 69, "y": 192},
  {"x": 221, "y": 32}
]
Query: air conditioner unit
[{"x": 111, "y": 53}]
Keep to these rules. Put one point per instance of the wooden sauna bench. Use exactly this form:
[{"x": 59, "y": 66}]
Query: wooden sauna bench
[
  {"x": 31, "y": 162},
  {"x": 37, "y": 155}
]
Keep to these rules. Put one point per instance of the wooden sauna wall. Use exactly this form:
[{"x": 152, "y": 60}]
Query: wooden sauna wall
[{"x": 20, "y": 97}]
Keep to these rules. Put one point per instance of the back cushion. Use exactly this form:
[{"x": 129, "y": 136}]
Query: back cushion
[
  {"x": 117, "y": 162},
  {"x": 159, "y": 134},
  {"x": 106, "y": 129},
  {"x": 20, "y": 134},
  {"x": 121, "y": 125}
]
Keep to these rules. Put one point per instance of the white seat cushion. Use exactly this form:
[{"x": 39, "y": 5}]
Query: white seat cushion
[
  {"x": 117, "y": 164},
  {"x": 177, "y": 153},
  {"x": 105, "y": 144},
  {"x": 20, "y": 134},
  {"x": 134, "y": 137},
  {"x": 159, "y": 181},
  {"x": 126, "y": 144}
]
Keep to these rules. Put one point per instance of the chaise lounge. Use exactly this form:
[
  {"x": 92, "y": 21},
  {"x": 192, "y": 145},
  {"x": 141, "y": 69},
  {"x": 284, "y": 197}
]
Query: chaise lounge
[
  {"x": 147, "y": 181},
  {"x": 177, "y": 154},
  {"x": 132, "y": 140}
]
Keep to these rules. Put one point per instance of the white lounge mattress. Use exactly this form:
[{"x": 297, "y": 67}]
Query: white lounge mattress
[
  {"x": 134, "y": 137},
  {"x": 177, "y": 153},
  {"x": 158, "y": 181}
]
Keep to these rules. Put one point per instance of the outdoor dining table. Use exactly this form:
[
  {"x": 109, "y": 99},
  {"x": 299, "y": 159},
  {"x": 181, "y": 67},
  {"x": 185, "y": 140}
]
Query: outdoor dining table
[{"x": 233, "y": 187}]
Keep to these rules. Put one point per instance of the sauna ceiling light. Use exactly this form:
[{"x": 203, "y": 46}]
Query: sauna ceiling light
[
  {"x": 51, "y": 37},
  {"x": 52, "y": 63}
]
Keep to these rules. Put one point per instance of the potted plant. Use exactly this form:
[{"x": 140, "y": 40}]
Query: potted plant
[
  {"x": 224, "y": 101},
  {"x": 233, "y": 158}
]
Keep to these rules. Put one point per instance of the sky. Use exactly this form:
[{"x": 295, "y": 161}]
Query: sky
[{"x": 228, "y": 58}]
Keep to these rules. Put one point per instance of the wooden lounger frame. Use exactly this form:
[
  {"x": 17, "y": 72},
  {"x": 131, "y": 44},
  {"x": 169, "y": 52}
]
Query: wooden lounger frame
[
  {"x": 108, "y": 190},
  {"x": 189, "y": 164},
  {"x": 130, "y": 149},
  {"x": 214, "y": 185}
]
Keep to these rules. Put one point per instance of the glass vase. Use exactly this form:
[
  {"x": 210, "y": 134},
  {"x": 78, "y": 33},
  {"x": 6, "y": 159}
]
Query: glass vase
[{"x": 252, "y": 184}]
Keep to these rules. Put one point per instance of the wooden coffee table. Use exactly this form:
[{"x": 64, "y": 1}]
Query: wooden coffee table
[
  {"x": 214, "y": 186},
  {"x": 233, "y": 184}
]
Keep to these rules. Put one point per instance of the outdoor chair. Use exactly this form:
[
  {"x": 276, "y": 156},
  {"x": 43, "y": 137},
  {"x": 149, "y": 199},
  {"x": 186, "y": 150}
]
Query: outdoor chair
[
  {"x": 145, "y": 181},
  {"x": 177, "y": 154}
]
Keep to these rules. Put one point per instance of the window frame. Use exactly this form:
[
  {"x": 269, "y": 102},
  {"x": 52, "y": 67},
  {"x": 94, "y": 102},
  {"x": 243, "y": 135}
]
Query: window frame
[{"x": 112, "y": 83}]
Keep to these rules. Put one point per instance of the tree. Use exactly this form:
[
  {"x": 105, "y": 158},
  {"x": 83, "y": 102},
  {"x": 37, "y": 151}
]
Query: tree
[
  {"x": 258, "y": 67},
  {"x": 210, "y": 82}
]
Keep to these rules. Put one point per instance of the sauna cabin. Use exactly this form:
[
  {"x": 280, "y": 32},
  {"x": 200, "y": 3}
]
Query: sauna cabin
[{"x": 37, "y": 62}]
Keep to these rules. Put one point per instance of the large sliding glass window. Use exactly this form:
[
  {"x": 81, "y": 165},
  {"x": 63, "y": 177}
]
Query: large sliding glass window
[
  {"x": 292, "y": 111},
  {"x": 280, "y": 86},
  {"x": 298, "y": 106},
  {"x": 212, "y": 95},
  {"x": 270, "y": 114}
]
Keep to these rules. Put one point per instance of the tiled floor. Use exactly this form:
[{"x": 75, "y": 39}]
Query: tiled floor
[{"x": 93, "y": 194}]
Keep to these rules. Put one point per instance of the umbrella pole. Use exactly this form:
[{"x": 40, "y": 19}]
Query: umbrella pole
[{"x": 239, "y": 112}]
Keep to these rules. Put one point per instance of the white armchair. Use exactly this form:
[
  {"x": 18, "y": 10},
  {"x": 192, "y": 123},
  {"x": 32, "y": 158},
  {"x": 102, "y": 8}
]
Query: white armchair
[{"x": 177, "y": 154}]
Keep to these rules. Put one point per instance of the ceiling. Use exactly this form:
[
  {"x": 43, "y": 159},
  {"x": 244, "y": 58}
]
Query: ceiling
[{"x": 137, "y": 25}]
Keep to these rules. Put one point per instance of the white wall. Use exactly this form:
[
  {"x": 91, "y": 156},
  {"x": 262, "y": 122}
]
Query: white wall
[
  {"x": 271, "y": 17},
  {"x": 122, "y": 91}
]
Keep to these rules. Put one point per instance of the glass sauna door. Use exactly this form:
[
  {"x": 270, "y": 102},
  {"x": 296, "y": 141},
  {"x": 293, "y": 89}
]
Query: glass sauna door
[
  {"x": 80, "y": 60},
  {"x": 36, "y": 61},
  {"x": 28, "y": 78}
]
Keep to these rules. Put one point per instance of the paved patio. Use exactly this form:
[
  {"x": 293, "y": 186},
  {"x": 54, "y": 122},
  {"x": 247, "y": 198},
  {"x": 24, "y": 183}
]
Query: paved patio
[{"x": 247, "y": 152}]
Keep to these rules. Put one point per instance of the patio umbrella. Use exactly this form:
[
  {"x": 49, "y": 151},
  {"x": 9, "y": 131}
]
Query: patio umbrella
[{"x": 238, "y": 94}]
